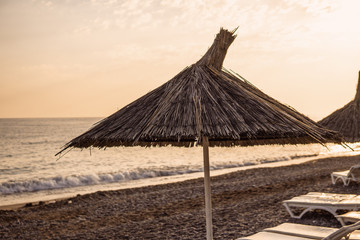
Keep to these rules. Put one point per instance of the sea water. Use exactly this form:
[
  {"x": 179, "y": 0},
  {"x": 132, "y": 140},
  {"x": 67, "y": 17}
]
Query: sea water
[{"x": 30, "y": 171}]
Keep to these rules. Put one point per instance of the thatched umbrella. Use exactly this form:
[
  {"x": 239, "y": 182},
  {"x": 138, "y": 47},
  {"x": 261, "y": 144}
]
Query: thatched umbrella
[
  {"x": 204, "y": 105},
  {"x": 346, "y": 120}
]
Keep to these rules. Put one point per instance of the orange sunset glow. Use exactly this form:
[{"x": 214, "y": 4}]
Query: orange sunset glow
[{"x": 91, "y": 58}]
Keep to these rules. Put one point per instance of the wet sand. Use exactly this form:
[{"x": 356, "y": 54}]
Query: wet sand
[{"x": 244, "y": 202}]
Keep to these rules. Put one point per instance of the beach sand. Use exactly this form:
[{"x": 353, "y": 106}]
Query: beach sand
[{"x": 244, "y": 202}]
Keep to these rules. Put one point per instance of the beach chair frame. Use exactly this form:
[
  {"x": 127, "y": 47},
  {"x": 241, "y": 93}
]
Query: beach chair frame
[
  {"x": 307, "y": 208},
  {"x": 330, "y": 202},
  {"x": 353, "y": 174}
]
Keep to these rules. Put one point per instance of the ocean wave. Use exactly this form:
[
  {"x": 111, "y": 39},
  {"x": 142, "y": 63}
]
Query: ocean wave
[
  {"x": 58, "y": 182},
  {"x": 81, "y": 180}
]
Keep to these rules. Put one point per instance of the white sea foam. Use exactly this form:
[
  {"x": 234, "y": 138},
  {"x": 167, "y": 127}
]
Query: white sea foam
[
  {"x": 59, "y": 182},
  {"x": 75, "y": 181}
]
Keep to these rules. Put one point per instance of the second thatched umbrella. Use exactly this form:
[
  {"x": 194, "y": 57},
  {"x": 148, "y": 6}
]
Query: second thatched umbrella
[
  {"x": 204, "y": 105},
  {"x": 346, "y": 120}
]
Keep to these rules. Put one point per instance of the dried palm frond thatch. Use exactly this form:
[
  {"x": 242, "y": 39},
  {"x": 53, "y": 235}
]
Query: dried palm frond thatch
[
  {"x": 346, "y": 120},
  {"x": 204, "y": 100}
]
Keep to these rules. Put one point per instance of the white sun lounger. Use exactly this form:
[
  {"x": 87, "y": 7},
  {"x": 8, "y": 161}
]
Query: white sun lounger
[
  {"x": 307, "y": 231},
  {"x": 330, "y": 202},
  {"x": 353, "y": 174},
  {"x": 292, "y": 231}
]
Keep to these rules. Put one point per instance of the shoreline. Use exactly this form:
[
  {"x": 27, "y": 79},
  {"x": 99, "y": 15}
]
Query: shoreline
[{"x": 169, "y": 179}]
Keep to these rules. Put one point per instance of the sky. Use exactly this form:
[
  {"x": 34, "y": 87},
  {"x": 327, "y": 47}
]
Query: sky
[{"x": 90, "y": 58}]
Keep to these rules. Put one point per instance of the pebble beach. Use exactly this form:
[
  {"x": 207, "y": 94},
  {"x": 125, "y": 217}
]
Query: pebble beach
[{"x": 244, "y": 202}]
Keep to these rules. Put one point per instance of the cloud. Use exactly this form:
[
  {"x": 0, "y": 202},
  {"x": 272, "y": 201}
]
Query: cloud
[
  {"x": 264, "y": 26},
  {"x": 203, "y": 16},
  {"x": 196, "y": 14},
  {"x": 162, "y": 53},
  {"x": 315, "y": 7}
]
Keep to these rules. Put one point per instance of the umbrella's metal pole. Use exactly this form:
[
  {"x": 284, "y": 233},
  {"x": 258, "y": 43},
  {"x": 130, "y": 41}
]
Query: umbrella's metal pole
[{"x": 209, "y": 230}]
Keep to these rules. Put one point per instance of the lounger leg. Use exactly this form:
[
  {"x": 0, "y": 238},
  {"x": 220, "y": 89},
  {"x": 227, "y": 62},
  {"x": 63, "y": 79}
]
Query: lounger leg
[
  {"x": 347, "y": 181},
  {"x": 289, "y": 210},
  {"x": 341, "y": 221},
  {"x": 333, "y": 180},
  {"x": 292, "y": 213}
]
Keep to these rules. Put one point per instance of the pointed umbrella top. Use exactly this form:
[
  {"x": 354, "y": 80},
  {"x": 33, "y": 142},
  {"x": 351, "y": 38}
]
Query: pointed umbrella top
[
  {"x": 357, "y": 95},
  {"x": 346, "y": 120},
  {"x": 204, "y": 100},
  {"x": 215, "y": 55}
]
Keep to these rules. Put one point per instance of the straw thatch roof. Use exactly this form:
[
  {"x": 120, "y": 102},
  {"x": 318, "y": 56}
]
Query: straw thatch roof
[
  {"x": 204, "y": 100},
  {"x": 346, "y": 120}
]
